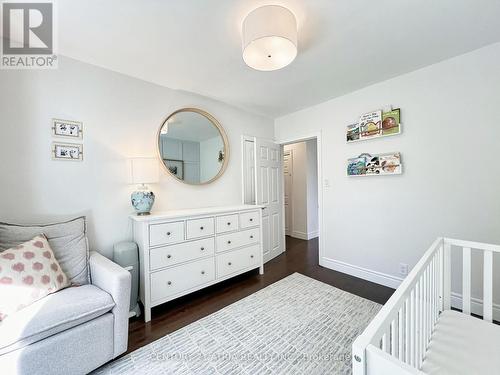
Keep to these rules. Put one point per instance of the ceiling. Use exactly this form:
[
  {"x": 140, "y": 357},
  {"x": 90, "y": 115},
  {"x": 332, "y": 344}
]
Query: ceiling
[
  {"x": 191, "y": 126},
  {"x": 195, "y": 45}
]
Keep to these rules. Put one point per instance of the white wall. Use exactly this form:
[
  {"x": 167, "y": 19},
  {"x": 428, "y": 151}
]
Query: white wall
[
  {"x": 451, "y": 181},
  {"x": 121, "y": 116},
  {"x": 304, "y": 191}
]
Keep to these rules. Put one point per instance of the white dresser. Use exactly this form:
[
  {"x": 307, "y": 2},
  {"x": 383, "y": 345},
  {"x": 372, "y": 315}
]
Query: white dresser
[{"x": 183, "y": 251}]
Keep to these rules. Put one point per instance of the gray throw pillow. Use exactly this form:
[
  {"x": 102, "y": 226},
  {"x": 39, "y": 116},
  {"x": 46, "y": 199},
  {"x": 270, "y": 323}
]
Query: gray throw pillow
[{"x": 68, "y": 240}]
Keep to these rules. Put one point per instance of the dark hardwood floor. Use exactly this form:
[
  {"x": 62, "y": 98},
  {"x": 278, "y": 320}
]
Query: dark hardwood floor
[{"x": 301, "y": 256}]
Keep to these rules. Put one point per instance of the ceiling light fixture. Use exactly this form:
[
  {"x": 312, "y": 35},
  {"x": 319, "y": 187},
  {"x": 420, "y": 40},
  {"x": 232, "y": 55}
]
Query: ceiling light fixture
[{"x": 269, "y": 36}]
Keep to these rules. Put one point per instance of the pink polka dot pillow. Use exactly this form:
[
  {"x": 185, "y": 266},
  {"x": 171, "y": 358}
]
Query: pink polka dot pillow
[{"x": 28, "y": 272}]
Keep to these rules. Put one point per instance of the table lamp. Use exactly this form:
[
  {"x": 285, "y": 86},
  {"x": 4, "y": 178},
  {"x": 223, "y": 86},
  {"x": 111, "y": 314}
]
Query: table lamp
[{"x": 143, "y": 171}]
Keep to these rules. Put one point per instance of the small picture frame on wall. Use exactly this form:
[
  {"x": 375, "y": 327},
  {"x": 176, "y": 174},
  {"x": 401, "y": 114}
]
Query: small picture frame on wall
[
  {"x": 67, "y": 129},
  {"x": 67, "y": 151},
  {"x": 176, "y": 167}
]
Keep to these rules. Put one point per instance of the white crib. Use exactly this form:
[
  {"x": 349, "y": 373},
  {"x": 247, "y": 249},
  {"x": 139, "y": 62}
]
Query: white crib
[{"x": 416, "y": 332}]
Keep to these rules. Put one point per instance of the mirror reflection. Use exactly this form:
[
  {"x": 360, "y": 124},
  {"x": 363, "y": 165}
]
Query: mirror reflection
[{"x": 192, "y": 146}]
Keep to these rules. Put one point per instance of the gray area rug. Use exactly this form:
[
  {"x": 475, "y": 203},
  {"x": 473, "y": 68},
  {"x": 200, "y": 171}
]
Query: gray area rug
[{"x": 297, "y": 325}]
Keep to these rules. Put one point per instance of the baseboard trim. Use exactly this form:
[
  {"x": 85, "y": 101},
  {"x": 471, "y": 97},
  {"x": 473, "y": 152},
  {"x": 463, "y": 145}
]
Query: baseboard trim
[
  {"x": 363, "y": 273},
  {"x": 476, "y": 305},
  {"x": 313, "y": 234},
  {"x": 303, "y": 235}
]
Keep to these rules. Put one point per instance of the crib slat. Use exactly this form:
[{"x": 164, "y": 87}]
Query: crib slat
[
  {"x": 433, "y": 295},
  {"x": 466, "y": 282},
  {"x": 407, "y": 331},
  {"x": 424, "y": 313},
  {"x": 439, "y": 271},
  {"x": 436, "y": 291},
  {"x": 401, "y": 328},
  {"x": 447, "y": 277},
  {"x": 394, "y": 338},
  {"x": 431, "y": 300},
  {"x": 386, "y": 340},
  {"x": 433, "y": 282},
  {"x": 421, "y": 322},
  {"x": 412, "y": 327},
  {"x": 441, "y": 278},
  {"x": 488, "y": 286},
  {"x": 417, "y": 323},
  {"x": 427, "y": 304}
]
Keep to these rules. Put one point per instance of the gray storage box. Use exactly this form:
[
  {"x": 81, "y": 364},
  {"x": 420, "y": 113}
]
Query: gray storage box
[{"x": 126, "y": 254}]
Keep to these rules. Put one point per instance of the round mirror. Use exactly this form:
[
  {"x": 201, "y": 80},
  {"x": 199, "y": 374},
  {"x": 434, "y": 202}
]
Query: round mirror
[{"x": 193, "y": 146}]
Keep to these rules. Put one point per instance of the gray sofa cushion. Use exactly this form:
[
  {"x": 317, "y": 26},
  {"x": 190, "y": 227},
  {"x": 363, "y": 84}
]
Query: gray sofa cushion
[
  {"x": 53, "y": 314},
  {"x": 68, "y": 241}
]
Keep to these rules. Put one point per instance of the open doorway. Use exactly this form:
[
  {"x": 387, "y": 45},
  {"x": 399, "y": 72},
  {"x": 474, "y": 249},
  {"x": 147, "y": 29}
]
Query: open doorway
[
  {"x": 300, "y": 177},
  {"x": 263, "y": 162}
]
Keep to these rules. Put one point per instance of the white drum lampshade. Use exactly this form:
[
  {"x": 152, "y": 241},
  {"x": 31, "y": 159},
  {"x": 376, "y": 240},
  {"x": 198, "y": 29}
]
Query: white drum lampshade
[
  {"x": 269, "y": 38},
  {"x": 143, "y": 171}
]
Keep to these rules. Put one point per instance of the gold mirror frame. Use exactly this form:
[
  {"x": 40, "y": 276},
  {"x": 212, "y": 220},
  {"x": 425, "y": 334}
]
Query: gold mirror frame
[{"x": 219, "y": 127}]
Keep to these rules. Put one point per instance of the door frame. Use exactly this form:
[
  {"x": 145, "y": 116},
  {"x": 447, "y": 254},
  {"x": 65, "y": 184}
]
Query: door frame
[
  {"x": 245, "y": 138},
  {"x": 290, "y": 203},
  {"x": 305, "y": 137}
]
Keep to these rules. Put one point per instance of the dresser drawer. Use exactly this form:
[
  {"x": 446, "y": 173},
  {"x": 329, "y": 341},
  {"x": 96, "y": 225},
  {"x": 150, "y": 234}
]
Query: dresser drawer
[
  {"x": 249, "y": 219},
  {"x": 227, "y": 223},
  {"x": 238, "y": 239},
  {"x": 238, "y": 260},
  {"x": 169, "y": 255},
  {"x": 164, "y": 234},
  {"x": 197, "y": 228},
  {"x": 178, "y": 279}
]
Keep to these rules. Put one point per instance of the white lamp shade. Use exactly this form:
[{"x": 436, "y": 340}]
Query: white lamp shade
[
  {"x": 143, "y": 171},
  {"x": 269, "y": 38}
]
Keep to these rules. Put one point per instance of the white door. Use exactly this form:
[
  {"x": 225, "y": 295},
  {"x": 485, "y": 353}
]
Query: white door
[
  {"x": 268, "y": 190},
  {"x": 287, "y": 176}
]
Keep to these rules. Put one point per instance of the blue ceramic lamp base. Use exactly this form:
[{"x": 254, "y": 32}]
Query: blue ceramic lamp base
[{"x": 142, "y": 200}]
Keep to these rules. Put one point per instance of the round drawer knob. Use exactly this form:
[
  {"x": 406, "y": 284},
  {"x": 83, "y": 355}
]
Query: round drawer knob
[
  {"x": 202, "y": 248},
  {"x": 169, "y": 256},
  {"x": 201, "y": 228},
  {"x": 229, "y": 242},
  {"x": 169, "y": 283},
  {"x": 251, "y": 256},
  {"x": 168, "y": 233},
  {"x": 251, "y": 219},
  {"x": 202, "y": 272},
  {"x": 229, "y": 263},
  {"x": 251, "y": 236},
  {"x": 228, "y": 223}
]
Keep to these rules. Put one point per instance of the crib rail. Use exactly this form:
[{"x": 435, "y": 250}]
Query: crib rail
[{"x": 396, "y": 340}]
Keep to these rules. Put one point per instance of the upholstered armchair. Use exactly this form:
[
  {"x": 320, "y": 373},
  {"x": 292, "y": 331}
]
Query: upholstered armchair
[{"x": 72, "y": 331}]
